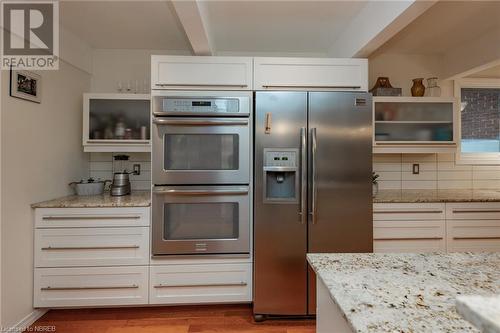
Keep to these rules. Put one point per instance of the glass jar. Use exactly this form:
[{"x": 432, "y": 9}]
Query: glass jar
[{"x": 433, "y": 90}]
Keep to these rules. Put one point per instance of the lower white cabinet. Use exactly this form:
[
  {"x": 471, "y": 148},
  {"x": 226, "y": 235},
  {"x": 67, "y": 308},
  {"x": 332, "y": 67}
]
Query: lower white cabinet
[
  {"x": 409, "y": 227},
  {"x": 204, "y": 283},
  {"x": 90, "y": 286},
  {"x": 473, "y": 227},
  {"x": 69, "y": 247}
]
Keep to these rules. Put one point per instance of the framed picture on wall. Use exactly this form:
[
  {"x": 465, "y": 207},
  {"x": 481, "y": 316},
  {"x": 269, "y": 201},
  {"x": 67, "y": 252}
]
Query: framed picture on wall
[{"x": 25, "y": 85}]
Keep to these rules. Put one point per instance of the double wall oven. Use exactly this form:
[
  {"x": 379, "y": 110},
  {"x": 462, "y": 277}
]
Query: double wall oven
[{"x": 201, "y": 172}]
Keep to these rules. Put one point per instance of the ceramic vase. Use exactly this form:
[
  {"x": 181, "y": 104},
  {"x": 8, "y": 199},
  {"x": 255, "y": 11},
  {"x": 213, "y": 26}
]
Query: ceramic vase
[{"x": 418, "y": 88}]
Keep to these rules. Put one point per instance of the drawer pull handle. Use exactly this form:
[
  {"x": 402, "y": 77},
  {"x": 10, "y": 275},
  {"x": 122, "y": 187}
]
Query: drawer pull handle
[
  {"x": 407, "y": 238},
  {"x": 90, "y": 217},
  {"x": 90, "y": 247},
  {"x": 476, "y": 211},
  {"x": 408, "y": 211},
  {"x": 473, "y": 237},
  {"x": 242, "y": 283},
  {"x": 309, "y": 86},
  {"x": 133, "y": 286},
  {"x": 199, "y": 85}
]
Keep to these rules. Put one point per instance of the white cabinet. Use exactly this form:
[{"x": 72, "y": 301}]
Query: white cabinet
[
  {"x": 116, "y": 123},
  {"x": 202, "y": 283},
  {"x": 90, "y": 286},
  {"x": 310, "y": 74},
  {"x": 473, "y": 227},
  {"x": 91, "y": 256},
  {"x": 408, "y": 227},
  {"x": 201, "y": 73},
  {"x": 67, "y": 247},
  {"x": 414, "y": 124}
]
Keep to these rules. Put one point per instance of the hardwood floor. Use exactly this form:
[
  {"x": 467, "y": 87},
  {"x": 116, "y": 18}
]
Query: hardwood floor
[{"x": 179, "y": 319}]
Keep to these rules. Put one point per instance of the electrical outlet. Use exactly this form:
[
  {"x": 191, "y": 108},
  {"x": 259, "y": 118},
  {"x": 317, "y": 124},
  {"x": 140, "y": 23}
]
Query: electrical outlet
[
  {"x": 137, "y": 169},
  {"x": 416, "y": 169}
]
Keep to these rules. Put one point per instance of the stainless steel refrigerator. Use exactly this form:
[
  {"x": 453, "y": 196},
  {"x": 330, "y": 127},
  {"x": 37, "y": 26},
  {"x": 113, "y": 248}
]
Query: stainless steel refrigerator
[{"x": 313, "y": 190}]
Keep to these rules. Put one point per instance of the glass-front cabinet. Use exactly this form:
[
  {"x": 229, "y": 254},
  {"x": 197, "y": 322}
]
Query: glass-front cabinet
[
  {"x": 116, "y": 123},
  {"x": 414, "y": 124}
]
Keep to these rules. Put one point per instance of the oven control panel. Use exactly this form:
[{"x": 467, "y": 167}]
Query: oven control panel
[
  {"x": 282, "y": 158},
  {"x": 201, "y": 105}
]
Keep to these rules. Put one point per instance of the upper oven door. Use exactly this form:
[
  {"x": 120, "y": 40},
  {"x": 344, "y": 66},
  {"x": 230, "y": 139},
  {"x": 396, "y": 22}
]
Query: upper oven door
[{"x": 201, "y": 151}]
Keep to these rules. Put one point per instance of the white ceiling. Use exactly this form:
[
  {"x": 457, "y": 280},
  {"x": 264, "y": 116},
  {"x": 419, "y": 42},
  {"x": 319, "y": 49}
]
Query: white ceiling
[
  {"x": 125, "y": 24},
  {"x": 444, "y": 26},
  {"x": 278, "y": 26},
  {"x": 235, "y": 26}
]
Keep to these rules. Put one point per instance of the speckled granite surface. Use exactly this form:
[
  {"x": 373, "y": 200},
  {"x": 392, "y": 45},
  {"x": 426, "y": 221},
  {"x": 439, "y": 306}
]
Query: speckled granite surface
[
  {"x": 409, "y": 196},
  {"x": 135, "y": 199},
  {"x": 482, "y": 311},
  {"x": 406, "y": 292}
]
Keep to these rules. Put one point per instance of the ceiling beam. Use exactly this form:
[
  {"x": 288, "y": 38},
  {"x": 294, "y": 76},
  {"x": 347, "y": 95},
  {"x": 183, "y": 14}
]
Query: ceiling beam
[
  {"x": 375, "y": 24},
  {"x": 474, "y": 56},
  {"x": 192, "y": 16}
]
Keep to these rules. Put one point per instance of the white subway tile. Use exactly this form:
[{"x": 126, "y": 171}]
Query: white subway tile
[
  {"x": 101, "y": 166},
  {"x": 422, "y": 176},
  {"x": 454, "y": 184},
  {"x": 388, "y": 175},
  {"x": 380, "y": 167},
  {"x": 387, "y": 158},
  {"x": 423, "y": 166},
  {"x": 451, "y": 166},
  {"x": 446, "y": 157},
  {"x": 485, "y": 174},
  {"x": 419, "y": 184},
  {"x": 101, "y": 157},
  {"x": 455, "y": 175},
  {"x": 486, "y": 184},
  {"x": 140, "y": 185},
  {"x": 389, "y": 185},
  {"x": 414, "y": 158}
]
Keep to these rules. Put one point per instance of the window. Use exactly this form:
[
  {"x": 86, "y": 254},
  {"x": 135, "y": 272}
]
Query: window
[{"x": 479, "y": 121}]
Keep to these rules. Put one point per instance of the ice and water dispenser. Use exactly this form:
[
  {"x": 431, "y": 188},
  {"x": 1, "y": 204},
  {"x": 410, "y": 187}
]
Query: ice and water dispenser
[{"x": 281, "y": 175}]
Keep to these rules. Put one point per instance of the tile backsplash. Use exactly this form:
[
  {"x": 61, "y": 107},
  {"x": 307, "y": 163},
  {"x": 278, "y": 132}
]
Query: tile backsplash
[
  {"x": 102, "y": 165},
  {"x": 437, "y": 171}
]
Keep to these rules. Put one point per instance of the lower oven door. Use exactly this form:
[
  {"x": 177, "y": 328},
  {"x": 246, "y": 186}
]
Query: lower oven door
[{"x": 201, "y": 220}]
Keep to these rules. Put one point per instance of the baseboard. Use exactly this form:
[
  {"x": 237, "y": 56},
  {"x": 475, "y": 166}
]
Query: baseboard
[{"x": 27, "y": 321}]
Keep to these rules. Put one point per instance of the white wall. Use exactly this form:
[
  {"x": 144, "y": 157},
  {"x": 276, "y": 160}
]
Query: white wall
[
  {"x": 402, "y": 68},
  {"x": 112, "y": 65},
  {"x": 41, "y": 153}
]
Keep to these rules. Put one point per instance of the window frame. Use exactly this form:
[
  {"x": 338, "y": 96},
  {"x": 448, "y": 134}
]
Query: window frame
[{"x": 472, "y": 158}]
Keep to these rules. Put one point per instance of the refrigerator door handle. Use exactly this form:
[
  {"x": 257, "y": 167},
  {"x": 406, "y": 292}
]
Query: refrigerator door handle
[
  {"x": 303, "y": 175},
  {"x": 314, "y": 195}
]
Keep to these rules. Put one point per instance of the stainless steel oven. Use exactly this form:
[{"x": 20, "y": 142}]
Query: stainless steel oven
[
  {"x": 201, "y": 138},
  {"x": 201, "y": 220}
]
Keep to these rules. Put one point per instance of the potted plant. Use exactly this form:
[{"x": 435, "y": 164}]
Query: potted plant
[{"x": 374, "y": 183}]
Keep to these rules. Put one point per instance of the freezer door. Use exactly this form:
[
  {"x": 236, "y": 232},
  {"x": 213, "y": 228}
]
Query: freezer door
[
  {"x": 340, "y": 186},
  {"x": 280, "y": 272}
]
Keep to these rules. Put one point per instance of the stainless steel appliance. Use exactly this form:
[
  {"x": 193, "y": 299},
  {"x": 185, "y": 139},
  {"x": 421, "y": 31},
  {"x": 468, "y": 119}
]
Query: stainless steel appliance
[
  {"x": 313, "y": 191},
  {"x": 201, "y": 165},
  {"x": 121, "y": 184}
]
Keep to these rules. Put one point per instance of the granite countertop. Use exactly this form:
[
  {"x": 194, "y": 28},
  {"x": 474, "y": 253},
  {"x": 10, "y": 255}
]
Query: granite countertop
[
  {"x": 482, "y": 311},
  {"x": 135, "y": 199},
  {"x": 406, "y": 292},
  {"x": 415, "y": 196}
]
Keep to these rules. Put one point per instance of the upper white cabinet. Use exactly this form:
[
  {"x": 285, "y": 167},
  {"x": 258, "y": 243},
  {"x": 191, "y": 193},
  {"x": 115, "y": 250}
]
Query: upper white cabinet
[
  {"x": 310, "y": 74},
  {"x": 116, "y": 123},
  {"x": 414, "y": 124},
  {"x": 201, "y": 73}
]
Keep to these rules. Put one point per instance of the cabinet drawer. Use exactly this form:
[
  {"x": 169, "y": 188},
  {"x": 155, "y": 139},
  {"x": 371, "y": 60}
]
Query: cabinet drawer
[
  {"x": 310, "y": 73},
  {"x": 408, "y": 212},
  {"x": 181, "y": 72},
  {"x": 409, "y": 245},
  {"x": 473, "y": 211},
  {"x": 425, "y": 229},
  {"x": 473, "y": 235},
  {"x": 92, "y": 217},
  {"x": 91, "y": 286},
  {"x": 91, "y": 247},
  {"x": 193, "y": 284}
]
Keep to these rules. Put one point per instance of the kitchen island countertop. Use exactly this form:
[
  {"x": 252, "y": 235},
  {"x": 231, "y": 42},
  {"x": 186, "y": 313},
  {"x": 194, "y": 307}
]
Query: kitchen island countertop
[
  {"x": 135, "y": 199},
  {"x": 419, "y": 196},
  {"x": 482, "y": 311},
  {"x": 406, "y": 292}
]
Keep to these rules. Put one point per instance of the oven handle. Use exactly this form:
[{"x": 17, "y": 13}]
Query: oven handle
[
  {"x": 236, "y": 191},
  {"x": 204, "y": 122}
]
